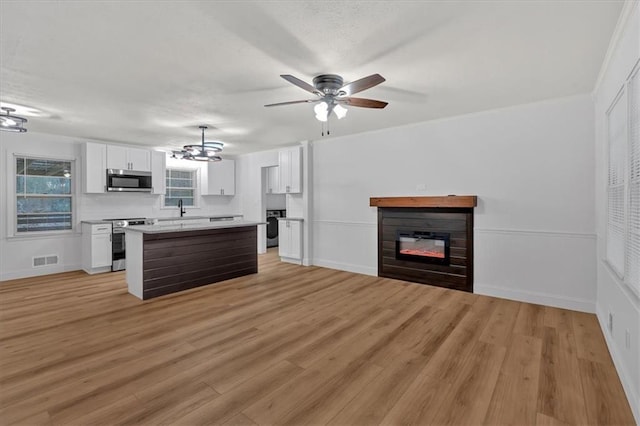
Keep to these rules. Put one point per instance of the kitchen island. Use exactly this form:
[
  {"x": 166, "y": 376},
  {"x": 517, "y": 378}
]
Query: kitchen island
[{"x": 164, "y": 259}]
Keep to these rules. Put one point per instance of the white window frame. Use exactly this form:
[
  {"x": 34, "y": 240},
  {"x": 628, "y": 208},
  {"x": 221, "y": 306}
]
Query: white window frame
[
  {"x": 12, "y": 208},
  {"x": 624, "y": 93},
  {"x": 196, "y": 192}
]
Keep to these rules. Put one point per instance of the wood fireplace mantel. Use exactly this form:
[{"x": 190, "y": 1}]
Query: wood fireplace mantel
[{"x": 460, "y": 201}]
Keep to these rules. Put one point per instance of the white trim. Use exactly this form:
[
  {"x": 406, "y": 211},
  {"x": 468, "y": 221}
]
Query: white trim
[
  {"x": 564, "y": 302},
  {"x": 525, "y": 232},
  {"x": 623, "y": 373},
  {"x": 534, "y": 233},
  {"x": 618, "y": 31},
  {"x": 196, "y": 188},
  {"x": 626, "y": 289},
  {"x": 346, "y": 222},
  {"x": 36, "y": 272},
  {"x": 12, "y": 224},
  {"x": 349, "y": 267}
]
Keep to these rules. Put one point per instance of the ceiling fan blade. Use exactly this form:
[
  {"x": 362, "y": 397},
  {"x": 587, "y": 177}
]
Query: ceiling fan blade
[
  {"x": 363, "y": 103},
  {"x": 306, "y": 101},
  {"x": 301, "y": 84},
  {"x": 362, "y": 84}
]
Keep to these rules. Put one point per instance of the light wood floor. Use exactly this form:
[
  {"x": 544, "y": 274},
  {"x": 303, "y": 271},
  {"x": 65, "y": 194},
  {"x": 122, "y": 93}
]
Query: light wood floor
[{"x": 296, "y": 345}]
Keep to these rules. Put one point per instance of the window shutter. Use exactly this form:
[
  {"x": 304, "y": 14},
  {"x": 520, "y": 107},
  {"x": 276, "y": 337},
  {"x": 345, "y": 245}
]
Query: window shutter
[{"x": 633, "y": 222}]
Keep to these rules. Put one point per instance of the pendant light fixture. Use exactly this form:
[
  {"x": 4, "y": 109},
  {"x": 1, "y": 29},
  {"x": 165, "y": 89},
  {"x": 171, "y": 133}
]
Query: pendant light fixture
[
  {"x": 206, "y": 151},
  {"x": 11, "y": 123}
]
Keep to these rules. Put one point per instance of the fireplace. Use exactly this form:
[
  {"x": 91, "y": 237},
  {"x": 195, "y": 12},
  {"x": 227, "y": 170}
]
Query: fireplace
[
  {"x": 423, "y": 246},
  {"x": 427, "y": 240}
]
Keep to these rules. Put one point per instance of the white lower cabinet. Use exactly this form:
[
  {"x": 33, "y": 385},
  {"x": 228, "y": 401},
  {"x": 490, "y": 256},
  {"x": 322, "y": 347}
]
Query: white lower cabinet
[
  {"x": 96, "y": 247},
  {"x": 290, "y": 239}
]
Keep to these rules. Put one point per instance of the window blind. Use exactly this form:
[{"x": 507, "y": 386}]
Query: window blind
[
  {"x": 632, "y": 262},
  {"x": 616, "y": 228}
]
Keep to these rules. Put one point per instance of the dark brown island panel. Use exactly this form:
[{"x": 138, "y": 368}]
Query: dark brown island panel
[{"x": 164, "y": 260}]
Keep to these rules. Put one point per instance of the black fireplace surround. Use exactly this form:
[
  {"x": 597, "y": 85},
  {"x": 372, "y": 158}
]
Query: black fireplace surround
[{"x": 423, "y": 246}]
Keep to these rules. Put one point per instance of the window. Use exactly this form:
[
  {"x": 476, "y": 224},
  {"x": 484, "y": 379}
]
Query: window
[
  {"x": 623, "y": 187},
  {"x": 181, "y": 185},
  {"x": 633, "y": 217},
  {"x": 44, "y": 198}
]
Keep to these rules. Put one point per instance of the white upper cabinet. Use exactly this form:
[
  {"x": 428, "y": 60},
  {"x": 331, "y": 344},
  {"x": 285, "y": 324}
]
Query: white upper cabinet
[
  {"x": 158, "y": 172},
  {"x": 140, "y": 159},
  {"x": 273, "y": 180},
  {"x": 94, "y": 168},
  {"x": 290, "y": 170},
  {"x": 125, "y": 158},
  {"x": 221, "y": 179},
  {"x": 117, "y": 157}
]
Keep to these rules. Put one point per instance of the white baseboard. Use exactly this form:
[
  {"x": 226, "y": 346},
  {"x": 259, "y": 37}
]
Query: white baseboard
[
  {"x": 36, "y": 272},
  {"x": 555, "y": 301},
  {"x": 623, "y": 373},
  {"x": 291, "y": 260},
  {"x": 358, "y": 269}
]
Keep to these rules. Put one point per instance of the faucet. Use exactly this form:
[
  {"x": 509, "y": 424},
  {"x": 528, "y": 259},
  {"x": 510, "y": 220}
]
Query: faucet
[{"x": 182, "y": 210}]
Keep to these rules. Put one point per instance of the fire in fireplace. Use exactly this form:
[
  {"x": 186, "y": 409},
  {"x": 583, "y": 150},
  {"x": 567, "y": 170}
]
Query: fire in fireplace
[{"x": 427, "y": 247}]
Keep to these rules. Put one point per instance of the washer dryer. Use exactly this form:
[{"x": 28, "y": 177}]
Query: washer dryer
[{"x": 272, "y": 226}]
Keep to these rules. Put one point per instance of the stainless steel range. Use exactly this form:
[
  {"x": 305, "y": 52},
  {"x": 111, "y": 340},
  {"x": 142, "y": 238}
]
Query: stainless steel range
[{"x": 118, "y": 246}]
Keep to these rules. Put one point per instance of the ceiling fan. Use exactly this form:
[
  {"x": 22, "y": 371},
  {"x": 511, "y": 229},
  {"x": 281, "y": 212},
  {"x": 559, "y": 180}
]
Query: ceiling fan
[{"x": 333, "y": 93}]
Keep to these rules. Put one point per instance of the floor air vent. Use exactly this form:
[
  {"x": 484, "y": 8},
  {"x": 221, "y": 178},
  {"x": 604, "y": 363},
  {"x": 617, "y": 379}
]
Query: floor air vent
[{"x": 45, "y": 260}]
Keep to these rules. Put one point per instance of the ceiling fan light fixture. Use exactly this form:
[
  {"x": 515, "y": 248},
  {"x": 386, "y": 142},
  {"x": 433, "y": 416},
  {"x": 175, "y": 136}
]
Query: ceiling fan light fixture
[
  {"x": 322, "y": 111},
  {"x": 340, "y": 111},
  {"x": 12, "y": 123},
  {"x": 205, "y": 151}
]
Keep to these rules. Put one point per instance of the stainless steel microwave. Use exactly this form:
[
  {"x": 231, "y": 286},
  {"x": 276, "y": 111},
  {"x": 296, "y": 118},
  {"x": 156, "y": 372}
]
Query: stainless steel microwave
[{"x": 128, "y": 181}]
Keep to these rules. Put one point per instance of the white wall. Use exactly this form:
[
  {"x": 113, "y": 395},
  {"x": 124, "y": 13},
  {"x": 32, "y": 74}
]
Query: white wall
[
  {"x": 531, "y": 166},
  {"x": 613, "y": 295},
  {"x": 276, "y": 201},
  {"x": 16, "y": 252},
  {"x": 251, "y": 178}
]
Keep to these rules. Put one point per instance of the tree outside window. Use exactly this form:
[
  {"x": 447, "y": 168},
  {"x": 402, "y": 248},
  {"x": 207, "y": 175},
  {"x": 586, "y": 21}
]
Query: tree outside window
[
  {"x": 181, "y": 185},
  {"x": 44, "y": 199}
]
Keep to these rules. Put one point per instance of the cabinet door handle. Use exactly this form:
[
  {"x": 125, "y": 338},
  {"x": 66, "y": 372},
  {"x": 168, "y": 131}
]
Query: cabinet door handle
[{"x": 110, "y": 240}]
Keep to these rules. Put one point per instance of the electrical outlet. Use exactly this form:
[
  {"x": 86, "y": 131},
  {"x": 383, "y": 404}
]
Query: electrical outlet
[
  {"x": 421, "y": 187},
  {"x": 610, "y": 324},
  {"x": 627, "y": 338}
]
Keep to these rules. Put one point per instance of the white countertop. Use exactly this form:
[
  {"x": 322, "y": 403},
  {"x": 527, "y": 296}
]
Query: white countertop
[
  {"x": 159, "y": 229},
  {"x": 220, "y": 216}
]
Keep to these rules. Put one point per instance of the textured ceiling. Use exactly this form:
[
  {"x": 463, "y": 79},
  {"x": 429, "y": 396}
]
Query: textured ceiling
[{"x": 149, "y": 73}]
